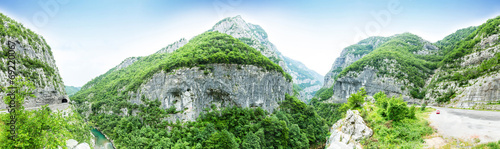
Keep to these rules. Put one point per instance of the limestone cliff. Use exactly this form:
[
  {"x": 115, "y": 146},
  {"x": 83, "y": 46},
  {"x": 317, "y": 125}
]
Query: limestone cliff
[
  {"x": 191, "y": 90},
  {"x": 34, "y": 61}
]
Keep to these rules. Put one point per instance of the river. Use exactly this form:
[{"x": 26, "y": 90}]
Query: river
[{"x": 100, "y": 140}]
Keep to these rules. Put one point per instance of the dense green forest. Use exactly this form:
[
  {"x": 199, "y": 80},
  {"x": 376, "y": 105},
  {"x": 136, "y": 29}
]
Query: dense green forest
[{"x": 294, "y": 125}]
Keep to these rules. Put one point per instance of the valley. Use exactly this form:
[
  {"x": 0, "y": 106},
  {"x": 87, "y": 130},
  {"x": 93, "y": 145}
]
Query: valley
[{"x": 230, "y": 87}]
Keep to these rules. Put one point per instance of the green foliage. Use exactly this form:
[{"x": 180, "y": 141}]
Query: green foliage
[
  {"x": 400, "y": 48},
  {"x": 466, "y": 46},
  {"x": 38, "y": 128},
  {"x": 356, "y": 100},
  {"x": 325, "y": 93},
  {"x": 293, "y": 125},
  {"x": 296, "y": 89},
  {"x": 416, "y": 93},
  {"x": 449, "y": 42},
  {"x": 305, "y": 116},
  {"x": 394, "y": 124},
  {"x": 394, "y": 109},
  {"x": 450, "y": 94},
  {"x": 422, "y": 108},
  {"x": 251, "y": 141},
  {"x": 224, "y": 139},
  {"x": 365, "y": 46},
  {"x": 331, "y": 112}
]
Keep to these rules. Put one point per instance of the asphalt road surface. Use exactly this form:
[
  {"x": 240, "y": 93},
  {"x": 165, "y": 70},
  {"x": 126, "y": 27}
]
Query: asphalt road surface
[{"x": 467, "y": 124}]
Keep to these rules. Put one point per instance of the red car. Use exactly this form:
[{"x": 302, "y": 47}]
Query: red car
[{"x": 437, "y": 112}]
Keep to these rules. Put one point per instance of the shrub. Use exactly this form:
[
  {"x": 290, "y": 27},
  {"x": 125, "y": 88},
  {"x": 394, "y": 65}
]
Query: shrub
[
  {"x": 393, "y": 108},
  {"x": 422, "y": 108}
]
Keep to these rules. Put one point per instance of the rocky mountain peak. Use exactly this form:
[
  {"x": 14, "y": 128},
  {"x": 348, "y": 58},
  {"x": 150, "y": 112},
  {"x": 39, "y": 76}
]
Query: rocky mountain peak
[{"x": 255, "y": 36}]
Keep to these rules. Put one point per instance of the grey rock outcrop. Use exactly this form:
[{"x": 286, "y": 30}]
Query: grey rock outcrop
[
  {"x": 255, "y": 36},
  {"x": 35, "y": 60},
  {"x": 73, "y": 144},
  {"x": 368, "y": 79},
  {"x": 127, "y": 62},
  {"x": 174, "y": 46},
  {"x": 346, "y": 133},
  {"x": 478, "y": 96},
  {"x": 190, "y": 90}
]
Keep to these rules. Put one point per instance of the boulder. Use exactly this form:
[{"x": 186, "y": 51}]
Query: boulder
[{"x": 346, "y": 133}]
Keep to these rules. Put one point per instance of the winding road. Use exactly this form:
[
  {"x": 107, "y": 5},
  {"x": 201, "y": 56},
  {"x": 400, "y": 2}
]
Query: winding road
[{"x": 467, "y": 124}]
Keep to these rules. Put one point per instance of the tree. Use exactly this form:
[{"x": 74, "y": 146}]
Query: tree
[
  {"x": 251, "y": 141},
  {"x": 297, "y": 140},
  {"x": 356, "y": 100},
  {"x": 222, "y": 139}
]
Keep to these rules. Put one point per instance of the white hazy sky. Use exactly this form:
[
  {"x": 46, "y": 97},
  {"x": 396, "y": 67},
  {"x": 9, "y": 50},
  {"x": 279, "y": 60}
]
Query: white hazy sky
[{"x": 90, "y": 37}]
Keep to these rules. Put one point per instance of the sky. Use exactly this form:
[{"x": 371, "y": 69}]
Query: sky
[{"x": 90, "y": 37}]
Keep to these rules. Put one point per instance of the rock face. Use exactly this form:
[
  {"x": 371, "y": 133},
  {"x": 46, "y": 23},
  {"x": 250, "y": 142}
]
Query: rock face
[
  {"x": 256, "y": 37},
  {"x": 346, "y": 133},
  {"x": 174, "y": 46},
  {"x": 368, "y": 78},
  {"x": 478, "y": 96},
  {"x": 127, "y": 62},
  {"x": 191, "y": 91},
  {"x": 350, "y": 55},
  {"x": 35, "y": 60}
]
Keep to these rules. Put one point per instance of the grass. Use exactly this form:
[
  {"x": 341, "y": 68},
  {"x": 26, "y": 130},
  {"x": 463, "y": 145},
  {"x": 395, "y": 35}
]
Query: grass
[
  {"x": 491, "y": 145},
  {"x": 408, "y": 133},
  {"x": 473, "y": 144}
]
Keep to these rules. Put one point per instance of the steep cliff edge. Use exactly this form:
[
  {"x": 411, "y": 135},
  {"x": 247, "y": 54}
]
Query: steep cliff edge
[
  {"x": 256, "y": 37},
  {"x": 34, "y": 61},
  {"x": 191, "y": 90}
]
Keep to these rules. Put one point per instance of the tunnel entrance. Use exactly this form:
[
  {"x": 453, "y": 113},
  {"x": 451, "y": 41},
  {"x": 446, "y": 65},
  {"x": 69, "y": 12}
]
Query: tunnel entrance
[{"x": 64, "y": 100}]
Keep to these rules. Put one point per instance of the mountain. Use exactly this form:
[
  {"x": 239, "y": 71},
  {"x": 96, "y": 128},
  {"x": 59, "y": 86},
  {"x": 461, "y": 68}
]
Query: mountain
[
  {"x": 71, "y": 90},
  {"x": 460, "y": 70},
  {"x": 307, "y": 81},
  {"x": 34, "y": 61},
  {"x": 468, "y": 76},
  {"x": 399, "y": 64},
  {"x": 351, "y": 54},
  {"x": 211, "y": 69}
]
